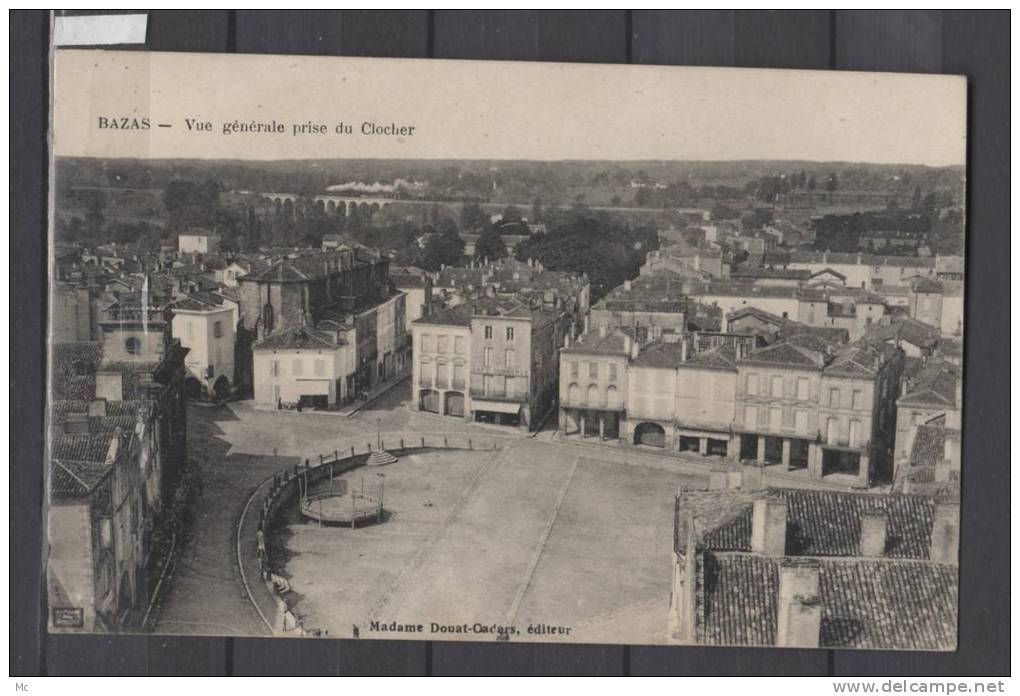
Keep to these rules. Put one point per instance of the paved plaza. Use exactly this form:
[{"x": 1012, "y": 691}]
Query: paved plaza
[{"x": 540, "y": 532}]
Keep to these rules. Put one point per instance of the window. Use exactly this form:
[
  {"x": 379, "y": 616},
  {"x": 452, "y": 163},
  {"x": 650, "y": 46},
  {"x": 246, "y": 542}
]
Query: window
[
  {"x": 509, "y": 357},
  {"x": 442, "y": 343},
  {"x": 133, "y": 346},
  {"x": 274, "y": 368},
  {"x": 458, "y": 376},
  {"x": 593, "y": 395},
  {"x": 802, "y": 389},
  {"x": 855, "y": 433},
  {"x": 509, "y": 333},
  {"x": 834, "y": 397},
  {"x": 320, "y": 367},
  {"x": 800, "y": 422},
  {"x": 442, "y": 370},
  {"x": 752, "y": 385},
  {"x": 832, "y": 431},
  {"x": 775, "y": 418},
  {"x": 858, "y": 400},
  {"x": 488, "y": 333},
  {"x": 427, "y": 346},
  {"x": 777, "y": 386},
  {"x": 295, "y": 367},
  {"x": 574, "y": 393},
  {"x": 574, "y": 369},
  {"x": 458, "y": 345},
  {"x": 612, "y": 372},
  {"x": 217, "y": 329},
  {"x": 750, "y": 416},
  {"x": 105, "y": 533},
  {"x": 488, "y": 356},
  {"x": 593, "y": 370}
]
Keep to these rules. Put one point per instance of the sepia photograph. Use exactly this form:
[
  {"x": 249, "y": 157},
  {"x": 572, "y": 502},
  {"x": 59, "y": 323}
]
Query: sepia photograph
[{"x": 389, "y": 349}]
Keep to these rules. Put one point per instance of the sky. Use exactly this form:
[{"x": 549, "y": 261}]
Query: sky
[{"x": 499, "y": 110}]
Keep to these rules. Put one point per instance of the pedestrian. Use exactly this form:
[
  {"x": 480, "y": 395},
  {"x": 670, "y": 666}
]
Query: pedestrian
[{"x": 357, "y": 631}]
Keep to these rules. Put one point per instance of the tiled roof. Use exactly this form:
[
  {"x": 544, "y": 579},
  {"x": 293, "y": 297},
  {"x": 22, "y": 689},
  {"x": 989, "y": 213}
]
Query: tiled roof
[
  {"x": 934, "y": 386},
  {"x": 759, "y": 314},
  {"x": 827, "y": 523},
  {"x": 786, "y": 355},
  {"x": 511, "y": 307},
  {"x": 70, "y": 479},
  {"x": 865, "y": 604},
  {"x": 770, "y": 273},
  {"x": 194, "y": 303},
  {"x": 830, "y": 334},
  {"x": 907, "y": 329},
  {"x": 926, "y": 285},
  {"x": 134, "y": 375},
  {"x": 86, "y": 447},
  {"x": 828, "y": 271},
  {"x": 660, "y": 355},
  {"x": 592, "y": 342},
  {"x": 929, "y": 445},
  {"x": 74, "y": 369},
  {"x": 722, "y": 357},
  {"x": 447, "y": 316},
  {"x": 859, "y": 359},
  {"x": 307, "y": 266},
  {"x": 299, "y": 337}
]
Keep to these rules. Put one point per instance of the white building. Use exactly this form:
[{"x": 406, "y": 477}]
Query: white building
[
  {"x": 302, "y": 367},
  {"x": 208, "y": 330},
  {"x": 198, "y": 242}
]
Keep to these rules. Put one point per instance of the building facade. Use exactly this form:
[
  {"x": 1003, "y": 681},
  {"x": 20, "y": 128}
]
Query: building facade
[
  {"x": 207, "y": 330},
  {"x": 593, "y": 383}
]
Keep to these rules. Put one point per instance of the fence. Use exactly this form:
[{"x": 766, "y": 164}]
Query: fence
[{"x": 290, "y": 487}]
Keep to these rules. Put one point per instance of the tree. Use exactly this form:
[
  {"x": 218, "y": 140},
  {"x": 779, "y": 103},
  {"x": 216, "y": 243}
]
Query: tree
[
  {"x": 442, "y": 249},
  {"x": 915, "y": 203},
  {"x": 511, "y": 213},
  {"x": 94, "y": 217},
  {"x": 472, "y": 217},
  {"x": 812, "y": 183},
  {"x": 490, "y": 245},
  {"x": 831, "y": 183},
  {"x": 190, "y": 203},
  {"x": 536, "y": 207}
]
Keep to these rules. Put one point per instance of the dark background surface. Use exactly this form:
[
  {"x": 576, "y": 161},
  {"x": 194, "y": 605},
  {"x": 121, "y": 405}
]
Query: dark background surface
[{"x": 975, "y": 44}]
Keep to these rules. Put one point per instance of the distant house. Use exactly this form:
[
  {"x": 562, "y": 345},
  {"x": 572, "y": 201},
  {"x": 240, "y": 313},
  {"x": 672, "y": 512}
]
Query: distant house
[{"x": 198, "y": 241}]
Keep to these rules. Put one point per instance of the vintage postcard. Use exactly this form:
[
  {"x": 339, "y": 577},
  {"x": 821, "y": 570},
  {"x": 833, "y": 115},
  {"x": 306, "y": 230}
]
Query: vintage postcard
[{"x": 452, "y": 350}]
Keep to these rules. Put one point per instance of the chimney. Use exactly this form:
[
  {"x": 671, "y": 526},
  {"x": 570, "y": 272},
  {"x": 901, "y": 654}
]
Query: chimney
[
  {"x": 626, "y": 344},
  {"x": 109, "y": 386},
  {"x": 945, "y": 533},
  {"x": 799, "y": 608},
  {"x": 683, "y": 350},
  {"x": 686, "y": 584},
  {"x": 768, "y": 526},
  {"x": 626, "y": 285},
  {"x": 874, "y": 532},
  {"x": 97, "y": 408},
  {"x": 635, "y": 349},
  {"x": 585, "y": 324}
]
